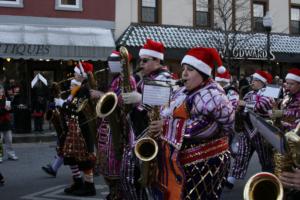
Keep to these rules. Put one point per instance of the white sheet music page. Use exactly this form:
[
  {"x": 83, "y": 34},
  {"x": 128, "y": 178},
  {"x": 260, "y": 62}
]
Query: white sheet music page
[
  {"x": 156, "y": 94},
  {"x": 271, "y": 91}
]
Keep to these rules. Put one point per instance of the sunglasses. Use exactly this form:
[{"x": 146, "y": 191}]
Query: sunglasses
[{"x": 145, "y": 60}]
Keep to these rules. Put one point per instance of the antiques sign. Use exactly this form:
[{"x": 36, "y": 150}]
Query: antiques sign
[{"x": 24, "y": 49}]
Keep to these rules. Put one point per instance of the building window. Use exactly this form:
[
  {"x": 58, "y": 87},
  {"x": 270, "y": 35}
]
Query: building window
[
  {"x": 295, "y": 20},
  {"x": 259, "y": 10},
  {"x": 11, "y": 3},
  {"x": 149, "y": 11},
  {"x": 203, "y": 13},
  {"x": 70, "y": 5}
]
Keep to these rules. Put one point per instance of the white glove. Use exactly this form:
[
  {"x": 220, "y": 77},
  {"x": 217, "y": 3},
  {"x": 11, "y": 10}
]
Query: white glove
[
  {"x": 131, "y": 97},
  {"x": 59, "y": 102}
]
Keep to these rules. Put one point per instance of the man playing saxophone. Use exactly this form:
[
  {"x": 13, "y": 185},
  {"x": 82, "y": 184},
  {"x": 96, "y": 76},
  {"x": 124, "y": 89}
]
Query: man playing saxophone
[
  {"x": 112, "y": 141},
  {"x": 78, "y": 149},
  {"x": 289, "y": 115},
  {"x": 251, "y": 140},
  {"x": 151, "y": 63}
]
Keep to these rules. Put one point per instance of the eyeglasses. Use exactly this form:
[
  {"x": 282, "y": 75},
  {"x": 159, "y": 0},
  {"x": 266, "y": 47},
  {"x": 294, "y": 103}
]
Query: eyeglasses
[{"x": 145, "y": 60}]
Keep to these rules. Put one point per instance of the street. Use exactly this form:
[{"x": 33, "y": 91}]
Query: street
[{"x": 24, "y": 179}]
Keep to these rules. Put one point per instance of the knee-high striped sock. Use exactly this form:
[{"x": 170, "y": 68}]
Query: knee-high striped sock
[
  {"x": 75, "y": 171},
  {"x": 88, "y": 176}
]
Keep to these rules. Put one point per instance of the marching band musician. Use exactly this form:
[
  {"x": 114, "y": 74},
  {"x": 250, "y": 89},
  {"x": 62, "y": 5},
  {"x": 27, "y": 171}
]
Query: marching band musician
[
  {"x": 110, "y": 158},
  {"x": 60, "y": 128},
  {"x": 151, "y": 64},
  {"x": 289, "y": 115},
  {"x": 78, "y": 149},
  {"x": 198, "y": 125},
  {"x": 251, "y": 140}
]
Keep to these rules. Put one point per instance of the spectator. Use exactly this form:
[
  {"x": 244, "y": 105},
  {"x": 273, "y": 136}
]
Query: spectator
[{"x": 5, "y": 125}]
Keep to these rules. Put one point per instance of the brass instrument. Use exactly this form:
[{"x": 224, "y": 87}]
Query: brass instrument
[
  {"x": 259, "y": 183},
  {"x": 107, "y": 107},
  {"x": 146, "y": 150},
  {"x": 263, "y": 186},
  {"x": 285, "y": 162}
]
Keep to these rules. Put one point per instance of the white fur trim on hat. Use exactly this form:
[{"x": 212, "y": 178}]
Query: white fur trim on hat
[
  {"x": 218, "y": 79},
  {"x": 78, "y": 71},
  {"x": 74, "y": 82},
  {"x": 198, "y": 64},
  {"x": 152, "y": 53},
  {"x": 293, "y": 77},
  {"x": 258, "y": 76}
]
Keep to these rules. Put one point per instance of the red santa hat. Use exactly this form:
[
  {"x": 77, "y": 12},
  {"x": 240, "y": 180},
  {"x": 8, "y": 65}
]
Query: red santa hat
[
  {"x": 203, "y": 60},
  {"x": 293, "y": 74},
  {"x": 153, "y": 49},
  {"x": 83, "y": 68},
  {"x": 225, "y": 77},
  {"x": 263, "y": 76}
]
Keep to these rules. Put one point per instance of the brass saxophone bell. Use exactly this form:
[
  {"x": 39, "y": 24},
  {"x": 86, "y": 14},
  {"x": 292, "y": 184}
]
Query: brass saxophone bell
[
  {"x": 146, "y": 149},
  {"x": 263, "y": 186}
]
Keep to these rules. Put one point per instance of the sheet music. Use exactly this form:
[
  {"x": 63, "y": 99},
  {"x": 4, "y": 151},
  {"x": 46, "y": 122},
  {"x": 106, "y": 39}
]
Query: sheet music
[
  {"x": 271, "y": 91},
  {"x": 156, "y": 95}
]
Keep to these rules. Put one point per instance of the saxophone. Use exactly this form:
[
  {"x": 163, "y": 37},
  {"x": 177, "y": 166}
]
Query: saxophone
[
  {"x": 107, "y": 107},
  {"x": 259, "y": 183},
  {"x": 146, "y": 150}
]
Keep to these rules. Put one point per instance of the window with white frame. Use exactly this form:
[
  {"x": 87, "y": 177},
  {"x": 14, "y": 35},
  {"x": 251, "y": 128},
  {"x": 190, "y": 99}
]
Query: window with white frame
[
  {"x": 70, "y": 5},
  {"x": 11, "y": 3}
]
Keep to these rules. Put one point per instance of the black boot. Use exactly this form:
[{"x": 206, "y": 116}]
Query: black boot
[
  {"x": 78, "y": 183},
  {"x": 88, "y": 189},
  {"x": 1, "y": 180}
]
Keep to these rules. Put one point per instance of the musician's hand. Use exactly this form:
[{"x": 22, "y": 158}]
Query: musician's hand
[
  {"x": 155, "y": 128},
  {"x": 291, "y": 179},
  {"x": 131, "y": 97},
  {"x": 276, "y": 114},
  {"x": 242, "y": 103},
  {"x": 95, "y": 94},
  {"x": 59, "y": 102}
]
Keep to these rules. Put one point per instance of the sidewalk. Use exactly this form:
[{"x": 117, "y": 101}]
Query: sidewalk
[
  {"x": 45, "y": 136},
  {"x": 48, "y": 135}
]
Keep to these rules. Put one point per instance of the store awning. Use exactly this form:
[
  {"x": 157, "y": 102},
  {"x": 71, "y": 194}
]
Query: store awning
[
  {"x": 178, "y": 39},
  {"x": 55, "y": 42}
]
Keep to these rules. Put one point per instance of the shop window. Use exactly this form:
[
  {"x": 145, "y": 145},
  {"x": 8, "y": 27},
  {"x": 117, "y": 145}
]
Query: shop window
[
  {"x": 11, "y": 3},
  {"x": 149, "y": 11},
  {"x": 70, "y": 5},
  {"x": 202, "y": 13},
  {"x": 295, "y": 20},
  {"x": 259, "y": 10}
]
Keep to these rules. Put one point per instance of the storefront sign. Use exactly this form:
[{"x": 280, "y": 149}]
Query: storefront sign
[
  {"x": 24, "y": 49},
  {"x": 251, "y": 54}
]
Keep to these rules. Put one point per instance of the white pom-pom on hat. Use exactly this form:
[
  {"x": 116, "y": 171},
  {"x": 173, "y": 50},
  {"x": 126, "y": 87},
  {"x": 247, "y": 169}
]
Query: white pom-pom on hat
[{"x": 221, "y": 69}]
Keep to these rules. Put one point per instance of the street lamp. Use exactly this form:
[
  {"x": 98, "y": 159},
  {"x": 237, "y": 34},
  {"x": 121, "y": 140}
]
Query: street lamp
[{"x": 267, "y": 23}]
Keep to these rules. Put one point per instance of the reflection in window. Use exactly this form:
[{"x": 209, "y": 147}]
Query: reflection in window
[
  {"x": 202, "y": 13},
  {"x": 71, "y": 5},
  {"x": 68, "y": 2},
  {"x": 149, "y": 13},
  {"x": 258, "y": 14},
  {"x": 11, "y": 3},
  {"x": 295, "y": 20}
]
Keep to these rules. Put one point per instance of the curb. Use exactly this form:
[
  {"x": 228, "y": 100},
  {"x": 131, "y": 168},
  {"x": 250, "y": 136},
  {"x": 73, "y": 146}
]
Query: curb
[{"x": 34, "y": 137}]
